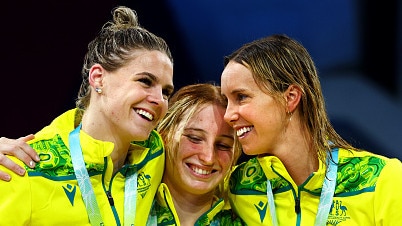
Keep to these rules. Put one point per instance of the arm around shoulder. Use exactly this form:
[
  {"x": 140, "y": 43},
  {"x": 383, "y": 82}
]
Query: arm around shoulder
[{"x": 20, "y": 149}]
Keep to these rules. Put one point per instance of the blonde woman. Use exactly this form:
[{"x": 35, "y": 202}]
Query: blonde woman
[
  {"x": 91, "y": 157},
  {"x": 304, "y": 172}
]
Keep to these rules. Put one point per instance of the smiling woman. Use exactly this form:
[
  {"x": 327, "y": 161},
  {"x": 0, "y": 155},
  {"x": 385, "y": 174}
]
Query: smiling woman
[
  {"x": 201, "y": 150},
  {"x": 304, "y": 172},
  {"x": 92, "y": 154}
]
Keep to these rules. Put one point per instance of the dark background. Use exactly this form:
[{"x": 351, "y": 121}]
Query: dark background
[{"x": 355, "y": 44}]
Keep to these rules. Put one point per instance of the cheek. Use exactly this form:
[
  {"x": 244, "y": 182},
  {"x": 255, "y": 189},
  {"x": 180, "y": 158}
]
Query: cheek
[
  {"x": 164, "y": 108},
  {"x": 188, "y": 148},
  {"x": 225, "y": 159},
  {"x": 264, "y": 115},
  {"x": 250, "y": 112}
]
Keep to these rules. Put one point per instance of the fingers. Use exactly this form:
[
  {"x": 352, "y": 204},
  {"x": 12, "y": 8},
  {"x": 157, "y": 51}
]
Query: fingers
[
  {"x": 4, "y": 176},
  {"x": 8, "y": 163},
  {"x": 27, "y": 137},
  {"x": 28, "y": 155},
  {"x": 21, "y": 150}
]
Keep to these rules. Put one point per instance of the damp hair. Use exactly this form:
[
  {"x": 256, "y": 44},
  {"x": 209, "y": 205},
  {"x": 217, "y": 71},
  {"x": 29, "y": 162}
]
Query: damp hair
[
  {"x": 113, "y": 46},
  {"x": 276, "y": 62},
  {"x": 183, "y": 105}
]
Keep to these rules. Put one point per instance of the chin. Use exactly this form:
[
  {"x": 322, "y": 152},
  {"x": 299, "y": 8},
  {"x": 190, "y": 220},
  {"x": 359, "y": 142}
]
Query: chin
[
  {"x": 250, "y": 151},
  {"x": 141, "y": 137}
]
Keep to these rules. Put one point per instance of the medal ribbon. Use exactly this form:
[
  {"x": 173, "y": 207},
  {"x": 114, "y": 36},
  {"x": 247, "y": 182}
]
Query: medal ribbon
[
  {"x": 87, "y": 192},
  {"x": 327, "y": 193}
]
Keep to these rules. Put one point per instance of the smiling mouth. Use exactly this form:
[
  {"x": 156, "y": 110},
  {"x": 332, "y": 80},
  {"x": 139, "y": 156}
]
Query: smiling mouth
[
  {"x": 240, "y": 132},
  {"x": 201, "y": 171},
  {"x": 144, "y": 114}
]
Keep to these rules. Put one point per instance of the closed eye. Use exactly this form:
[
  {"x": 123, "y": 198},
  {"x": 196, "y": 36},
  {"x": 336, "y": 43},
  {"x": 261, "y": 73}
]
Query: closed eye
[
  {"x": 192, "y": 138},
  {"x": 224, "y": 147},
  {"x": 146, "y": 81}
]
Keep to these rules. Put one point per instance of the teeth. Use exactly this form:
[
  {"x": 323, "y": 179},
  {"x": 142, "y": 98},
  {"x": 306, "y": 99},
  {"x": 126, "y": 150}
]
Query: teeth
[
  {"x": 145, "y": 114},
  {"x": 243, "y": 130},
  {"x": 201, "y": 171}
]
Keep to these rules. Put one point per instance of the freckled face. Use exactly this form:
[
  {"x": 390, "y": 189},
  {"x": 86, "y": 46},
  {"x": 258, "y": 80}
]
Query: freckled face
[
  {"x": 205, "y": 153},
  {"x": 135, "y": 97},
  {"x": 255, "y": 115}
]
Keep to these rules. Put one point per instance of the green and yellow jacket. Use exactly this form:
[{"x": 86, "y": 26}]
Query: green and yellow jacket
[
  {"x": 50, "y": 195},
  {"x": 368, "y": 191},
  {"x": 165, "y": 213}
]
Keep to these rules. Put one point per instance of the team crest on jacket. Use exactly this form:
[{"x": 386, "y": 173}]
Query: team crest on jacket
[
  {"x": 338, "y": 213},
  {"x": 144, "y": 182}
]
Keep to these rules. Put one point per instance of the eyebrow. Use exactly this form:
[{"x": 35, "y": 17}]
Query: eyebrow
[
  {"x": 239, "y": 90},
  {"x": 235, "y": 91},
  {"x": 195, "y": 129},
  {"x": 203, "y": 131},
  {"x": 230, "y": 137}
]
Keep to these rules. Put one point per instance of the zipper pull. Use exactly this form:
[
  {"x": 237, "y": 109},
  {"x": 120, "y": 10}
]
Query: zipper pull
[
  {"x": 110, "y": 198},
  {"x": 297, "y": 205}
]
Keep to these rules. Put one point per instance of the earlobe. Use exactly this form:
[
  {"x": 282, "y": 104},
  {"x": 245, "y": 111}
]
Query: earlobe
[
  {"x": 293, "y": 95},
  {"x": 95, "y": 75}
]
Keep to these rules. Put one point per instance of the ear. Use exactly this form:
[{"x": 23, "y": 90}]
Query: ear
[
  {"x": 95, "y": 76},
  {"x": 292, "y": 97}
]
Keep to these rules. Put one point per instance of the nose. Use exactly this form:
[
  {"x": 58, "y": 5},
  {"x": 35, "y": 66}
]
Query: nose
[
  {"x": 230, "y": 114},
  {"x": 208, "y": 154},
  {"x": 156, "y": 96}
]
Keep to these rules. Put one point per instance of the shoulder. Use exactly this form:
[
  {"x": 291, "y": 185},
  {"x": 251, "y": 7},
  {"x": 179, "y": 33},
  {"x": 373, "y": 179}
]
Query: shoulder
[
  {"x": 363, "y": 170},
  {"x": 248, "y": 177},
  {"x": 228, "y": 217},
  {"x": 356, "y": 159},
  {"x": 250, "y": 168},
  {"x": 154, "y": 142}
]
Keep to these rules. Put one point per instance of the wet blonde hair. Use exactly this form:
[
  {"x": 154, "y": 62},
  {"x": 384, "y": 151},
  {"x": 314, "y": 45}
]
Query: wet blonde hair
[
  {"x": 276, "y": 62},
  {"x": 114, "y": 45}
]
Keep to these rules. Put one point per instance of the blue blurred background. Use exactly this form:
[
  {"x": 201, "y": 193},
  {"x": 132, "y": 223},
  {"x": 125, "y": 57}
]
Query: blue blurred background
[{"x": 356, "y": 44}]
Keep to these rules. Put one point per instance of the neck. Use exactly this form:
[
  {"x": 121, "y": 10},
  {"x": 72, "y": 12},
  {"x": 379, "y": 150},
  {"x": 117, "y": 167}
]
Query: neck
[
  {"x": 99, "y": 130},
  {"x": 297, "y": 155},
  {"x": 300, "y": 166},
  {"x": 189, "y": 206}
]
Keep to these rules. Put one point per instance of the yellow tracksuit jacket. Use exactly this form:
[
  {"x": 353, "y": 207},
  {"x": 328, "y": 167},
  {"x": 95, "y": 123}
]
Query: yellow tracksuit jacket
[
  {"x": 368, "y": 192},
  {"x": 166, "y": 215},
  {"x": 50, "y": 195}
]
